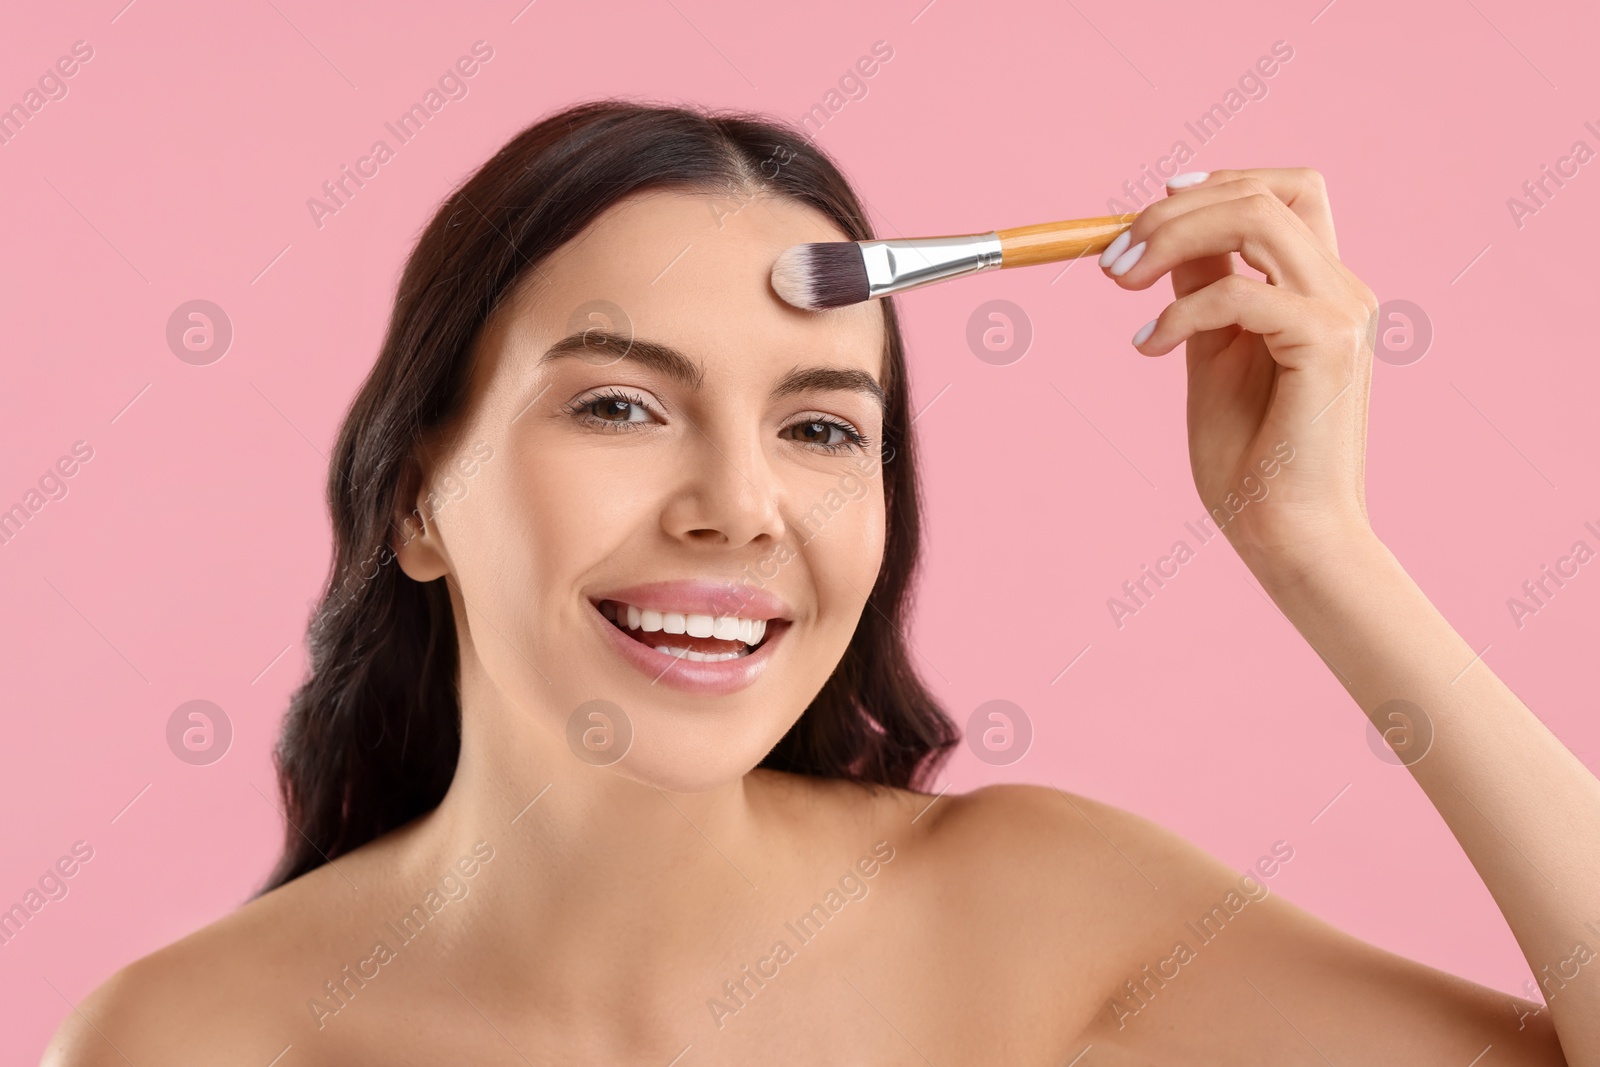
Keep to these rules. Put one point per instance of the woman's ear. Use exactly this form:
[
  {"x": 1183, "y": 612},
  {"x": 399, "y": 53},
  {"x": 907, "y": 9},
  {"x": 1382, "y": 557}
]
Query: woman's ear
[{"x": 413, "y": 534}]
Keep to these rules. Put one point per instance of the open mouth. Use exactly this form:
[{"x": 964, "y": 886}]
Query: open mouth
[{"x": 693, "y": 637}]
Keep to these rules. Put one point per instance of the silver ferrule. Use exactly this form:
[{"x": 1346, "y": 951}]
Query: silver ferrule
[{"x": 898, "y": 265}]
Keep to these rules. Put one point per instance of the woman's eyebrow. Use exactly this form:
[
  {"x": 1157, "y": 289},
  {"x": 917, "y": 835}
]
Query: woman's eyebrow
[
  {"x": 665, "y": 359},
  {"x": 803, "y": 379}
]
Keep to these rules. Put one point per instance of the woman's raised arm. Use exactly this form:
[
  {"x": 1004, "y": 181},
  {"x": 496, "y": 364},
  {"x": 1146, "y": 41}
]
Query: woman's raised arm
[{"x": 1281, "y": 367}]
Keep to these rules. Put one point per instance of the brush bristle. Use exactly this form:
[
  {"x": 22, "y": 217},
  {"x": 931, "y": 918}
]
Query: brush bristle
[{"x": 820, "y": 276}]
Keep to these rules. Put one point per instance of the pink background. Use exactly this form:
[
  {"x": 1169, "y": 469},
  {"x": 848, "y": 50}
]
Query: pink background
[{"x": 188, "y": 551}]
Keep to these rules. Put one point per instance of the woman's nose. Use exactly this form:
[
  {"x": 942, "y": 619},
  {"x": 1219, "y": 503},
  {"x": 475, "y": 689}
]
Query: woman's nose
[{"x": 727, "y": 494}]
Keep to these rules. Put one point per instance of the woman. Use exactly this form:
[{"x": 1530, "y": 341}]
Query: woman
[{"x": 537, "y": 812}]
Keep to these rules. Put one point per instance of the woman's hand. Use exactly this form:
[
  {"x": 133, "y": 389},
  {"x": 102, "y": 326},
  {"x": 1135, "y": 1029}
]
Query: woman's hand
[
  {"x": 1289, "y": 360},
  {"x": 1277, "y": 367}
]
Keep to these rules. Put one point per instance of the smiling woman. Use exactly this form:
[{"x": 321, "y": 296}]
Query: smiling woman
[
  {"x": 673, "y": 759},
  {"x": 372, "y": 735}
]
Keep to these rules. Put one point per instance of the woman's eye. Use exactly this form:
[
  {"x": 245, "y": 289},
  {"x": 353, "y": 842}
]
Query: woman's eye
[
  {"x": 612, "y": 410},
  {"x": 827, "y": 434},
  {"x": 617, "y": 410}
]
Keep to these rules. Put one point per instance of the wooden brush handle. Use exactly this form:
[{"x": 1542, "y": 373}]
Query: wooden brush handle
[{"x": 1052, "y": 242}]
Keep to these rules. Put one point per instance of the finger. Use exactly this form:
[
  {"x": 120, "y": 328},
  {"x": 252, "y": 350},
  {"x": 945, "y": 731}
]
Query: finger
[
  {"x": 1254, "y": 224},
  {"x": 1291, "y": 324},
  {"x": 1197, "y": 273},
  {"x": 1301, "y": 189}
]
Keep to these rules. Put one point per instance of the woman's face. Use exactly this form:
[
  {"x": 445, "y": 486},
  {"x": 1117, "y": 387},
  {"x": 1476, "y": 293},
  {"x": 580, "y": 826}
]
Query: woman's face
[{"x": 705, "y": 455}]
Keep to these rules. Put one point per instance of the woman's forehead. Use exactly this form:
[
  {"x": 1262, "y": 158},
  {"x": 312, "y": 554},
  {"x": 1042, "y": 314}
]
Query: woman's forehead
[{"x": 693, "y": 270}]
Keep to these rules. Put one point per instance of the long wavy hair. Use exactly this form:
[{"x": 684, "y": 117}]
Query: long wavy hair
[{"x": 373, "y": 733}]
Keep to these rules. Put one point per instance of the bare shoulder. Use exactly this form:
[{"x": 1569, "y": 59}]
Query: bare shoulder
[
  {"x": 1105, "y": 876},
  {"x": 206, "y": 998},
  {"x": 1087, "y": 888},
  {"x": 1083, "y": 857},
  {"x": 1131, "y": 906},
  {"x": 1045, "y": 831},
  {"x": 1024, "y": 829}
]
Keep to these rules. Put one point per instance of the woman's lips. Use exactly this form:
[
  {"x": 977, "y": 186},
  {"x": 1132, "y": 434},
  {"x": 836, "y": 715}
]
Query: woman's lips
[{"x": 691, "y": 676}]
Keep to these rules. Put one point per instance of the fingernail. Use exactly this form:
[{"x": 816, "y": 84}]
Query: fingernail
[
  {"x": 1144, "y": 333},
  {"x": 1183, "y": 181},
  {"x": 1126, "y": 261},
  {"x": 1114, "y": 249}
]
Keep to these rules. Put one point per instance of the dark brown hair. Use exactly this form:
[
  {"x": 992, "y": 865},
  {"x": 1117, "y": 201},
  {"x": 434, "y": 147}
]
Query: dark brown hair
[{"x": 373, "y": 734}]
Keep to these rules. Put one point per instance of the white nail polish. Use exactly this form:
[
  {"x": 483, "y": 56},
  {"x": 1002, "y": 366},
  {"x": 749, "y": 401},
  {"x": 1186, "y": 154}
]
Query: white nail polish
[
  {"x": 1144, "y": 333},
  {"x": 1183, "y": 181},
  {"x": 1114, "y": 249},
  {"x": 1126, "y": 261}
]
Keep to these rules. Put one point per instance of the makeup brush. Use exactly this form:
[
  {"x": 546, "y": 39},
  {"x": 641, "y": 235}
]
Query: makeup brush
[{"x": 835, "y": 274}]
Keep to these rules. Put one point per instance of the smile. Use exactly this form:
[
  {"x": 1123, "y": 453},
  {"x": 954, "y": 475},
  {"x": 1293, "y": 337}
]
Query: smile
[
  {"x": 683, "y": 635},
  {"x": 701, "y": 638}
]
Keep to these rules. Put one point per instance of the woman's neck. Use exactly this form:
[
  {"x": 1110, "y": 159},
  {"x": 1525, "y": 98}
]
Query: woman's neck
[{"x": 596, "y": 879}]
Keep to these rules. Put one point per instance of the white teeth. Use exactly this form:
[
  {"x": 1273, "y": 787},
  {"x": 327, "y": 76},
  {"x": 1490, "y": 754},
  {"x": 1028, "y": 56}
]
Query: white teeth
[
  {"x": 722, "y": 627},
  {"x": 699, "y": 657}
]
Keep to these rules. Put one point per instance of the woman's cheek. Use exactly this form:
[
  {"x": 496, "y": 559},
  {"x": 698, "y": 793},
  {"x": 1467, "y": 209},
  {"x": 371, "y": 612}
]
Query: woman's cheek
[
  {"x": 846, "y": 551},
  {"x": 572, "y": 513},
  {"x": 873, "y": 537}
]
